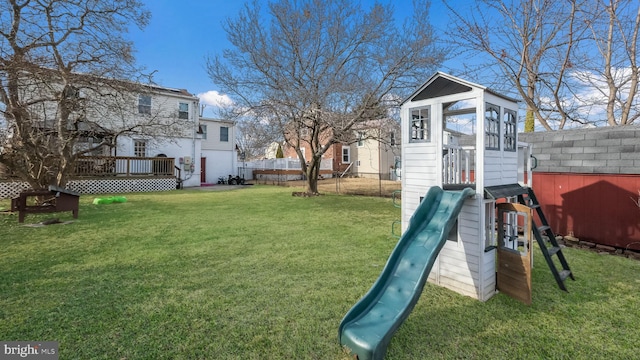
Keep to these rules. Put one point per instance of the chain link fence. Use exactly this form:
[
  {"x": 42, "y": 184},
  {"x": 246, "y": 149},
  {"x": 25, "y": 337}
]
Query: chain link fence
[{"x": 366, "y": 184}]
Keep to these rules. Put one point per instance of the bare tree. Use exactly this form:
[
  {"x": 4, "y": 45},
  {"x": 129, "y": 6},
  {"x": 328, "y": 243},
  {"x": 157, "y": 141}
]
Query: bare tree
[
  {"x": 527, "y": 47},
  {"x": 317, "y": 68},
  {"x": 614, "y": 74},
  {"x": 255, "y": 136},
  {"x": 61, "y": 65}
]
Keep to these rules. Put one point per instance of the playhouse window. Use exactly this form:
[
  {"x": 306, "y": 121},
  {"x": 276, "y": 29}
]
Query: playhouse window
[
  {"x": 460, "y": 116},
  {"x": 492, "y": 127},
  {"x": 453, "y": 233},
  {"x": 420, "y": 125},
  {"x": 510, "y": 122},
  {"x": 490, "y": 236}
]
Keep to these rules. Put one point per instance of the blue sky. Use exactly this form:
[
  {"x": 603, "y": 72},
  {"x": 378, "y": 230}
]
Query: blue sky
[{"x": 181, "y": 34}]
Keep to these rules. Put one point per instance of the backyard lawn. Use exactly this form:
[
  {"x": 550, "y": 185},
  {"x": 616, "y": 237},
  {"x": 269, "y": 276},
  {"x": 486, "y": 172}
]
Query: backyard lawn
[{"x": 256, "y": 273}]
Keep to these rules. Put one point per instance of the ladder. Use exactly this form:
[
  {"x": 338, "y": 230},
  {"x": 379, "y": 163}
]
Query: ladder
[{"x": 529, "y": 199}]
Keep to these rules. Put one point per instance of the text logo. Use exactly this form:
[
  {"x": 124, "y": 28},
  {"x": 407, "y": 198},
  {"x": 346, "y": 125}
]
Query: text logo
[{"x": 32, "y": 350}]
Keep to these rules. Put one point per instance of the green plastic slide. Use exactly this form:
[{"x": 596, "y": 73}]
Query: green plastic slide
[{"x": 368, "y": 327}]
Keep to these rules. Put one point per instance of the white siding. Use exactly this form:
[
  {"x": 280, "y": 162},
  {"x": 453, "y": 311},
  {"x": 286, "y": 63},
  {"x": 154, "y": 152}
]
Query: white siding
[
  {"x": 489, "y": 275},
  {"x": 174, "y": 148},
  {"x": 218, "y": 163},
  {"x": 460, "y": 262},
  {"x": 221, "y": 157},
  {"x": 500, "y": 167}
]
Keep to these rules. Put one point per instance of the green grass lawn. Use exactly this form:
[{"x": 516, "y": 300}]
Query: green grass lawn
[{"x": 259, "y": 274}]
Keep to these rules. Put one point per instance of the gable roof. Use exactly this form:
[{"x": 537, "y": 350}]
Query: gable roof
[{"x": 442, "y": 84}]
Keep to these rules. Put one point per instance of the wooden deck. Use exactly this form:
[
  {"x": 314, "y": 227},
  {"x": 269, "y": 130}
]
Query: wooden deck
[{"x": 118, "y": 166}]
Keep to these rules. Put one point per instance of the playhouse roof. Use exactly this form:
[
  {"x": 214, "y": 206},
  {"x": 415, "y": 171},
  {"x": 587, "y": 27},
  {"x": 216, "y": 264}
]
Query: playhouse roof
[{"x": 442, "y": 84}]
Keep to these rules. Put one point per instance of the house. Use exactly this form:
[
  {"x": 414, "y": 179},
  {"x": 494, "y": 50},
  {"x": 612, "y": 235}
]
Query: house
[
  {"x": 152, "y": 138},
  {"x": 218, "y": 157},
  {"x": 376, "y": 152},
  {"x": 373, "y": 151},
  {"x": 183, "y": 144},
  {"x": 336, "y": 159}
]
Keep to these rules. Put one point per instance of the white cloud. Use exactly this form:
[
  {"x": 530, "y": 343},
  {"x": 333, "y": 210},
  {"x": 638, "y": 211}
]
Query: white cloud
[{"x": 215, "y": 99}]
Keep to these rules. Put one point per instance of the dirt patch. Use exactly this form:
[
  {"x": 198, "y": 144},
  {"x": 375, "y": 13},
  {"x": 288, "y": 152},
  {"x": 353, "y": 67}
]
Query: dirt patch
[
  {"x": 303, "y": 194},
  {"x": 349, "y": 186}
]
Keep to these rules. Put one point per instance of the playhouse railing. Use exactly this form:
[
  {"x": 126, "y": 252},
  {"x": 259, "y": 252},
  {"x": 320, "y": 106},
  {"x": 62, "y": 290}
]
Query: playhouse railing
[{"x": 458, "y": 165}]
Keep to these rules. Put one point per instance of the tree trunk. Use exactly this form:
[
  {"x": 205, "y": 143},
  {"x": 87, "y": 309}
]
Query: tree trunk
[
  {"x": 529, "y": 121},
  {"x": 313, "y": 171}
]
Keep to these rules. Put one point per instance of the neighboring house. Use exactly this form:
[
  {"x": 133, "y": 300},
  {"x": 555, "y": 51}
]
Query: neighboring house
[
  {"x": 376, "y": 152},
  {"x": 338, "y": 155},
  {"x": 218, "y": 157},
  {"x": 373, "y": 153}
]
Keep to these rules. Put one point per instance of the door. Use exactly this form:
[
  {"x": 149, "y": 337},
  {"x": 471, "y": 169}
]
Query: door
[
  {"x": 203, "y": 168},
  {"x": 514, "y": 251}
]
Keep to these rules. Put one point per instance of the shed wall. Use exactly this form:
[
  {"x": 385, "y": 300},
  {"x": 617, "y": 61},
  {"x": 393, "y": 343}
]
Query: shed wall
[
  {"x": 599, "y": 208},
  {"x": 587, "y": 181}
]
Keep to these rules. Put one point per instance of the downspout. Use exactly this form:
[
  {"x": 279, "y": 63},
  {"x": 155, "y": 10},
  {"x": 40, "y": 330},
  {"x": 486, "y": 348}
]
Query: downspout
[{"x": 196, "y": 121}]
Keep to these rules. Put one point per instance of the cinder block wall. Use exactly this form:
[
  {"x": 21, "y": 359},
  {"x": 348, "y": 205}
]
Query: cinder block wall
[
  {"x": 606, "y": 150},
  {"x": 587, "y": 182}
]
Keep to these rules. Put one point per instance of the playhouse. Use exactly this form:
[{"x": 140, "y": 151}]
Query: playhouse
[
  {"x": 467, "y": 211},
  {"x": 457, "y": 134}
]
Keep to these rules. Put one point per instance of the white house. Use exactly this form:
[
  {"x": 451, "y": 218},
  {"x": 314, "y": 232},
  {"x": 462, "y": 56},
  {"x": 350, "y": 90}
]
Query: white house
[
  {"x": 154, "y": 122},
  {"x": 183, "y": 145},
  {"x": 218, "y": 157}
]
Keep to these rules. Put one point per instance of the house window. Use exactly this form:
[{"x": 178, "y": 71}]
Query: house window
[
  {"x": 420, "y": 125},
  {"x": 492, "y": 127},
  {"x": 203, "y": 132},
  {"x": 140, "y": 148},
  {"x": 346, "y": 155},
  {"x": 144, "y": 104},
  {"x": 360, "y": 139},
  {"x": 510, "y": 122},
  {"x": 392, "y": 139},
  {"x": 183, "y": 110},
  {"x": 224, "y": 134}
]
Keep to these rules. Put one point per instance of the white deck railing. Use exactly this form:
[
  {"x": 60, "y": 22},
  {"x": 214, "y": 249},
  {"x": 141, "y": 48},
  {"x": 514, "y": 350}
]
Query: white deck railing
[
  {"x": 284, "y": 164},
  {"x": 458, "y": 165}
]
